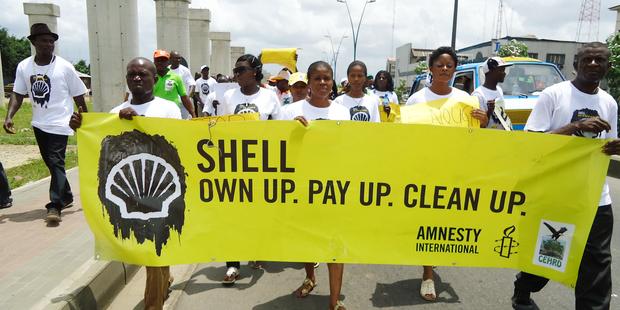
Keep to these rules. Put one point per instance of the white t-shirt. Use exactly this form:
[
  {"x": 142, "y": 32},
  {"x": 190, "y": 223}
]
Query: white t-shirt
[
  {"x": 265, "y": 102},
  {"x": 426, "y": 95},
  {"x": 386, "y": 97},
  {"x": 208, "y": 105},
  {"x": 51, "y": 89},
  {"x": 157, "y": 107},
  {"x": 365, "y": 109},
  {"x": 335, "y": 111},
  {"x": 204, "y": 87},
  {"x": 563, "y": 103},
  {"x": 485, "y": 94},
  {"x": 186, "y": 76}
]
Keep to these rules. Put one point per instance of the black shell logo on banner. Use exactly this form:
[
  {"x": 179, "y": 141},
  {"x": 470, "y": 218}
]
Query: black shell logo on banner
[{"x": 142, "y": 187}]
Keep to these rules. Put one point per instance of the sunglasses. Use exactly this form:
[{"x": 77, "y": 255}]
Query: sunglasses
[{"x": 241, "y": 70}]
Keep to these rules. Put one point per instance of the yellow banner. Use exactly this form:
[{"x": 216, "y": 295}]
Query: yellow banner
[
  {"x": 286, "y": 57},
  {"x": 165, "y": 192},
  {"x": 455, "y": 112}
]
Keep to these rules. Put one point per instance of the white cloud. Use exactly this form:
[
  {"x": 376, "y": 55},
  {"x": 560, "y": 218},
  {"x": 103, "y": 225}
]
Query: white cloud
[{"x": 304, "y": 23}]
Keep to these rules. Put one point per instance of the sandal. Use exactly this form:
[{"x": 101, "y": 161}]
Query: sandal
[
  {"x": 339, "y": 306},
  {"x": 306, "y": 287},
  {"x": 232, "y": 274},
  {"x": 427, "y": 290}
]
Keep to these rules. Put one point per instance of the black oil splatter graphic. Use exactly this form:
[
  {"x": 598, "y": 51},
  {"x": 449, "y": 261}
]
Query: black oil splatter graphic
[
  {"x": 140, "y": 176},
  {"x": 40, "y": 88}
]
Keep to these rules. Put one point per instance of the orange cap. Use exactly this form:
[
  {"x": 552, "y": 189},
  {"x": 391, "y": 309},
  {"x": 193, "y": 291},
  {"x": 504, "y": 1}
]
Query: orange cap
[{"x": 161, "y": 53}]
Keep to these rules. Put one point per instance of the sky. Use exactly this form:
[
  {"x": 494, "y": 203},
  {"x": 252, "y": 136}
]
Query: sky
[{"x": 306, "y": 23}]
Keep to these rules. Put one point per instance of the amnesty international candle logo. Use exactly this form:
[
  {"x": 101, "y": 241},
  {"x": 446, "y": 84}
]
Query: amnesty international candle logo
[
  {"x": 507, "y": 243},
  {"x": 553, "y": 244},
  {"x": 142, "y": 187}
]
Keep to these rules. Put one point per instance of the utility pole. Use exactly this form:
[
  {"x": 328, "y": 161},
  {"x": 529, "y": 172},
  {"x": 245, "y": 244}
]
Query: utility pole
[{"x": 454, "y": 19}]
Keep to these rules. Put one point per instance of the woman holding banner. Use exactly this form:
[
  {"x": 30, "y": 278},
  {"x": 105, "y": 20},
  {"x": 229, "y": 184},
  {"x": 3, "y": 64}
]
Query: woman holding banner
[
  {"x": 318, "y": 106},
  {"x": 248, "y": 98},
  {"x": 442, "y": 65}
]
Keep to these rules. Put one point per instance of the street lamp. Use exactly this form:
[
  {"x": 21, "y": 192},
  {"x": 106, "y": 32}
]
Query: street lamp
[
  {"x": 336, "y": 52},
  {"x": 454, "y": 17},
  {"x": 355, "y": 33}
]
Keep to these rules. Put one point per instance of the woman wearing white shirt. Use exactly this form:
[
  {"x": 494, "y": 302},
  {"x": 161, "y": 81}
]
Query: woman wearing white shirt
[
  {"x": 362, "y": 107},
  {"x": 317, "y": 106},
  {"x": 248, "y": 98},
  {"x": 442, "y": 64}
]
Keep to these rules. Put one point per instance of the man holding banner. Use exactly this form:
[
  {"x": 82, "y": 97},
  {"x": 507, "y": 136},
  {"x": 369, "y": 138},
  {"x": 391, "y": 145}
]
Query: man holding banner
[
  {"x": 580, "y": 108},
  {"x": 141, "y": 77}
]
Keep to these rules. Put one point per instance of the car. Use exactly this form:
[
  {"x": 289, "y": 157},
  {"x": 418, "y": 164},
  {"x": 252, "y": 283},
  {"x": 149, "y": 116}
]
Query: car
[{"x": 523, "y": 83}]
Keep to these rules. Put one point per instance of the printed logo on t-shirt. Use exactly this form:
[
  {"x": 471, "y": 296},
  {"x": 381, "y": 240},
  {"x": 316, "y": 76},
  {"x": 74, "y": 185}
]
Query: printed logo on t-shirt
[
  {"x": 286, "y": 100},
  {"x": 204, "y": 88},
  {"x": 581, "y": 115},
  {"x": 169, "y": 85},
  {"x": 245, "y": 108},
  {"x": 359, "y": 113},
  {"x": 40, "y": 89}
]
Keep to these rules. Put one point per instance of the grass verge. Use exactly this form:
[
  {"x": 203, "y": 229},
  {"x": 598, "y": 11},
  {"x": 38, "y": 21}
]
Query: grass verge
[
  {"x": 35, "y": 170},
  {"x": 21, "y": 121}
]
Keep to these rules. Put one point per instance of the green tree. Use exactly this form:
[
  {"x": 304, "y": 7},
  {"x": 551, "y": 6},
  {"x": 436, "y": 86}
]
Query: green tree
[
  {"x": 81, "y": 66},
  {"x": 400, "y": 90},
  {"x": 13, "y": 51},
  {"x": 421, "y": 68},
  {"x": 513, "y": 48},
  {"x": 613, "y": 76}
]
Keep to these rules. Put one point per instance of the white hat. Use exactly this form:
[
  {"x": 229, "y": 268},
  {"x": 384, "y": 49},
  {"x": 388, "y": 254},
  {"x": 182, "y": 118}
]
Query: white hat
[{"x": 494, "y": 63}]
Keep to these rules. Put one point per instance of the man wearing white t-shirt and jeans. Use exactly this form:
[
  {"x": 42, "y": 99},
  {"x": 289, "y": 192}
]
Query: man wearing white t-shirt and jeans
[
  {"x": 52, "y": 85},
  {"x": 580, "y": 108}
]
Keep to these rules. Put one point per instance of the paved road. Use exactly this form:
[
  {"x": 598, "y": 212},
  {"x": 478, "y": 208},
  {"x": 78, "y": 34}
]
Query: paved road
[{"x": 377, "y": 286}]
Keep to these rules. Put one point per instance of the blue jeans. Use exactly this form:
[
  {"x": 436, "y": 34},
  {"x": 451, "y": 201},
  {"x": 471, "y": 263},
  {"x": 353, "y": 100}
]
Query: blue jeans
[
  {"x": 53, "y": 148},
  {"x": 5, "y": 190}
]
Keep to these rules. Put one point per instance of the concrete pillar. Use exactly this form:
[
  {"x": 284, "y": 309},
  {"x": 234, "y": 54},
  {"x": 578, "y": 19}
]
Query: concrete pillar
[
  {"x": 617, "y": 9},
  {"x": 220, "y": 53},
  {"x": 200, "y": 49},
  {"x": 113, "y": 42},
  {"x": 235, "y": 53},
  {"x": 46, "y": 13},
  {"x": 173, "y": 26},
  {"x": 1, "y": 83}
]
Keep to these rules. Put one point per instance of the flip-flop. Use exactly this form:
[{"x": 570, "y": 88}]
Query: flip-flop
[{"x": 427, "y": 290}]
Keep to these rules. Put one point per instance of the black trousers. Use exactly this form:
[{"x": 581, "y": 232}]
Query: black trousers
[
  {"x": 593, "y": 289},
  {"x": 5, "y": 190},
  {"x": 53, "y": 148}
]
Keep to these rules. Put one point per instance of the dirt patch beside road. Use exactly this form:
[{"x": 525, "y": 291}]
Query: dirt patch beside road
[{"x": 17, "y": 155}]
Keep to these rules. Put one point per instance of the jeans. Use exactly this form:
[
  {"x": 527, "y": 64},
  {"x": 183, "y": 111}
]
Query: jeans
[
  {"x": 593, "y": 289},
  {"x": 5, "y": 190},
  {"x": 53, "y": 148}
]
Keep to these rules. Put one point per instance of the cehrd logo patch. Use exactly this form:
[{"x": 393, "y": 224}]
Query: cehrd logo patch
[
  {"x": 142, "y": 187},
  {"x": 553, "y": 244}
]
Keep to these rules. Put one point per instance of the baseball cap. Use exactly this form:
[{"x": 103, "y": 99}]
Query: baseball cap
[
  {"x": 204, "y": 67},
  {"x": 297, "y": 77},
  {"x": 493, "y": 63},
  {"x": 283, "y": 75},
  {"x": 161, "y": 53}
]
